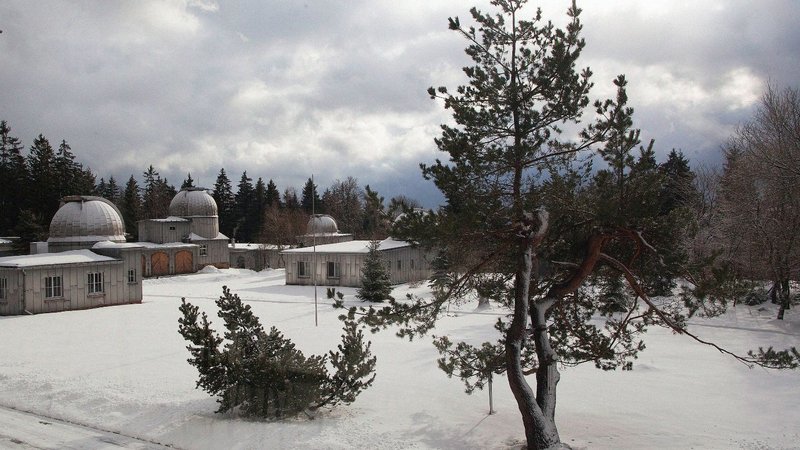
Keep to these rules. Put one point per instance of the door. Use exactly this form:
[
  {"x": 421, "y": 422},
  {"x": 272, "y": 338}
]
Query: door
[
  {"x": 183, "y": 262},
  {"x": 159, "y": 264}
]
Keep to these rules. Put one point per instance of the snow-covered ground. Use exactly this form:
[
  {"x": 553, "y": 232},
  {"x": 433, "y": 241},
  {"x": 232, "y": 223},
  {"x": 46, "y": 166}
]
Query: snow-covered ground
[{"x": 123, "y": 370}]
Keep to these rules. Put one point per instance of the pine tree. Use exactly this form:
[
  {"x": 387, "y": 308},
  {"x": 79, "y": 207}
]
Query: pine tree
[
  {"x": 524, "y": 223},
  {"x": 188, "y": 182},
  {"x": 245, "y": 202},
  {"x": 375, "y": 222},
  {"x": 256, "y": 213},
  {"x": 261, "y": 373},
  {"x": 273, "y": 196},
  {"x": 376, "y": 286},
  {"x": 226, "y": 203},
  {"x": 311, "y": 201},
  {"x": 44, "y": 181},
  {"x": 13, "y": 179},
  {"x": 157, "y": 195},
  {"x": 131, "y": 207}
]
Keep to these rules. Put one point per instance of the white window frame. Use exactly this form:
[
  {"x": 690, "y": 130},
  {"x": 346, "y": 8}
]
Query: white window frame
[
  {"x": 336, "y": 272},
  {"x": 303, "y": 269},
  {"x": 94, "y": 282},
  {"x": 3, "y": 288},
  {"x": 53, "y": 288},
  {"x": 203, "y": 250},
  {"x": 132, "y": 276}
]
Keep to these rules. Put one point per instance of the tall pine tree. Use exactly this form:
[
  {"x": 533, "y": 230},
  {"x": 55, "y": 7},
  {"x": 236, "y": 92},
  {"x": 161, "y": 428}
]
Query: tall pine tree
[
  {"x": 226, "y": 203},
  {"x": 13, "y": 179}
]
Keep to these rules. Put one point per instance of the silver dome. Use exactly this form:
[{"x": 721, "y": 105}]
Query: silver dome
[
  {"x": 322, "y": 224},
  {"x": 87, "y": 219},
  {"x": 192, "y": 203}
]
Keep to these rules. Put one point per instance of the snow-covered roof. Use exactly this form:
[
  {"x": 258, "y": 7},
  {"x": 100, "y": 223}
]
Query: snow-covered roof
[
  {"x": 251, "y": 246},
  {"x": 358, "y": 246},
  {"x": 166, "y": 245},
  {"x": 197, "y": 237},
  {"x": 4, "y": 241},
  {"x": 170, "y": 219},
  {"x": 48, "y": 259},
  {"x": 109, "y": 244}
]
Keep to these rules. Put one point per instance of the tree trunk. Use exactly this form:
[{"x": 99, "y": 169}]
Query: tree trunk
[
  {"x": 540, "y": 427},
  {"x": 784, "y": 298}
]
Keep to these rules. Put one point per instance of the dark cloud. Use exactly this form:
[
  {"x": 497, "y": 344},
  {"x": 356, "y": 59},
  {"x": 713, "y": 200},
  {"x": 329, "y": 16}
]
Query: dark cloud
[{"x": 287, "y": 88}]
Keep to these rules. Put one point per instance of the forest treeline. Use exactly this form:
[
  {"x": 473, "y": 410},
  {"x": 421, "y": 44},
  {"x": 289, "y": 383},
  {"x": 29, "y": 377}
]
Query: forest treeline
[{"x": 32, "y": 184}]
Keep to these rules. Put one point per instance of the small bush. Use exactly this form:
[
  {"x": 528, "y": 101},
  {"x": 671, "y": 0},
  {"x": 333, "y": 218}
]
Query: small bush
[
  {"x": 755, "y": 297},
  {"x": 262, "y": 374}
]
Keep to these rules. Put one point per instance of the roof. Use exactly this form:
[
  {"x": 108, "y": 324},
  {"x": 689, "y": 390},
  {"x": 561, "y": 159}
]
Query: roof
[
  {"x": 252, "y": 246},
  {"x": 49, "y": 259},
  {"x": 86, "y": 219},
  {"x": 197, "y": 237},
  {"x": 170, "y": 219},
  {"x": 358, "y": 246},
  {"x": 193, "y": 202},
  {"x": 109, "y": 244},
  {"x": 166, "y": 245}
]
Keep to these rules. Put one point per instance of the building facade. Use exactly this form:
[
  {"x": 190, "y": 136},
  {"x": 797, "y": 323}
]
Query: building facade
[{"x": 340, "y": 264}]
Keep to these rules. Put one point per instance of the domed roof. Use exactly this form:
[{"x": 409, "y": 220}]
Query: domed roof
[
  {"x": 193, "y": 202},
  {"x": 85, "y": 218},
  {"x": 322, "y": 224}
]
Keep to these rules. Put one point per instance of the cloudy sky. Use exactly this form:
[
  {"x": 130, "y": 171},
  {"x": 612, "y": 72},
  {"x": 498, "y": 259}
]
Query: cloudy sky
[{"x": 287, "y": 88}]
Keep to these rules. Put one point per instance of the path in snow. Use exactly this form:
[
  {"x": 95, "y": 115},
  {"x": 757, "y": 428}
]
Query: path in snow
[{"x": 24, "y": 430}]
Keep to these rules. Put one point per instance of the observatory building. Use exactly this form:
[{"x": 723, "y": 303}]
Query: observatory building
[
  {"x": 187, "y": 240},
  {"x": 84, "y": 264}
]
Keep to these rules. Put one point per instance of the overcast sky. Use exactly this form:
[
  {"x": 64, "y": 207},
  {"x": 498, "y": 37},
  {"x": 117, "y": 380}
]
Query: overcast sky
[{"x": 286, "y": 88}]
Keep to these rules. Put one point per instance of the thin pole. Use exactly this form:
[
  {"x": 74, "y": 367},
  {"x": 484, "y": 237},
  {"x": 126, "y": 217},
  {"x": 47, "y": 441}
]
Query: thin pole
[{"x": 314, "y": 241}]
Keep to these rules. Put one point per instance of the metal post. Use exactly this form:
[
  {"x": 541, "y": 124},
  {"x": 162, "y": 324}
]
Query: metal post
[{"x": 314, "y": 241}]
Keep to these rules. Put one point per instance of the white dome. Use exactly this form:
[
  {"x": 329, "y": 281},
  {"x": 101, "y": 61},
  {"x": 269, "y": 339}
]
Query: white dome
[
  {"x": 322, "y": 224},
  {"x": 193, "y": 202},
  {"x": 87, "y": 219}
]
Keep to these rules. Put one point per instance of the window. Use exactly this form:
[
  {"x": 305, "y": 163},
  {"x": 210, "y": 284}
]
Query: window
[
  {"x": 333, "y": 269},
  {"x": 131, "y": 276},
  {"x": 172, "y": 228},
  {"x": 303, "y": 269},
  {"x": 95, "y": 282},
  {"x": 412, "y": 264},
  {"x": 204, "y": 250},
  {"x": 3, "y": 288},
  {"x": 52, "y": 287},
  {"x": 399, "y": 264}
]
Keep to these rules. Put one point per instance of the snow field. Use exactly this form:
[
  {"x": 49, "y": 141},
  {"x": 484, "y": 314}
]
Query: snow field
[{"x": 124, "y": 369}]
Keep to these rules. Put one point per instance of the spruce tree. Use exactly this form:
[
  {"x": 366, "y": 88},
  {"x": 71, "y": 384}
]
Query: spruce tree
[
  {"x": 376, "y": 285},
  {"x": 188, "y": 182},
  {"x": 226, "y": 203},
  {"x": 273, "y": 196},
  {"x": 44, "y": 181},
  {"x": 245, "y": 201},
  {"x": 131, "y": 207},
  {"x": 310, "y": 199},
  {"x": 13, "y": 179}
]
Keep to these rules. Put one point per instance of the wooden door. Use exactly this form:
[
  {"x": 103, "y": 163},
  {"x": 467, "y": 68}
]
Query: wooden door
[
  {"x": 159, "y": 264},
  {"x": 183, "y": 262}
]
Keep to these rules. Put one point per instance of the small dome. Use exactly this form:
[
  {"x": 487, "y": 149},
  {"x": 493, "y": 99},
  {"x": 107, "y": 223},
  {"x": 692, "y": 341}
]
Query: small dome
[
  {"x": 83, "y": 218},
  {"x": 322, "y": 224},
  {"x": 193, "y": 202}
]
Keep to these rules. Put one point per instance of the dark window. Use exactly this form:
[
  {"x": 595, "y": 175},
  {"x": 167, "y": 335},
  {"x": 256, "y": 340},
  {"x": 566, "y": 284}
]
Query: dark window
[
  {"x": 204, "y": 250},
  {"x": 3, "y": 287},
  {"x": 95, "y": 282},
  {"x": 52, "y": 287},
  {"x": 131, "y": 276},
  {"x": 303, "y": 269},
  {"x": 333, "y": 269}
]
